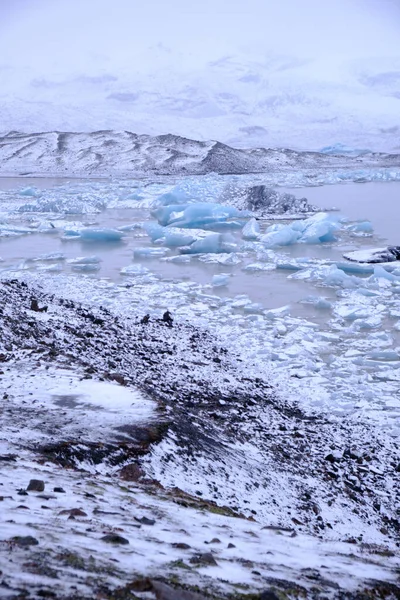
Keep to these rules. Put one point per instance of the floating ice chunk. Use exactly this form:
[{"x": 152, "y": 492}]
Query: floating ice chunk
[
  {"x": 370, "y": 323},
  {"x": 317, "y": 229},
  {"x": 259, "y": 266},
  {"x": 251, "y": 231},
  {"x": 368, "y": 293},
  {"x": 52, "y": 256},
  {"x": 85, "y": 267},
  {"x": 149, "y": 252},
  {"x": 361, "y": 227},
  {"x": 284, "y": 236},
  {"x": 318, "y": 302},
  {"x": 84, "y": 260},
  {"x": 199, "y": 215},
  {"x": 30, "y": 191},
  {"x": 220, "y": 280},
  {"x": 56, "y": 268},
  {"x": 131, "y": 227},
  {"x": 134, "y": 270},
  {"x": 353, "y": 267},
  {"x": 296, "y": 264},
  {"x": 337, "y": 277},
  {"x": 385, "y": 355},
  {"x": 173, "y": 237},
  {"x": 213, "y": 243},
  {"x": 276, "y": 313},
  {"x": 381, "y": 273},
  {"x": 352, "y": 312},
  {"x": 101, "y": 235},
  {"x": 253, "y": 308},
  {"x": 180, "y": 259},
  {"x": 163, "y": 213},
  {"x": 13, "y": 230},
  {"x": 230, "y": 259}
]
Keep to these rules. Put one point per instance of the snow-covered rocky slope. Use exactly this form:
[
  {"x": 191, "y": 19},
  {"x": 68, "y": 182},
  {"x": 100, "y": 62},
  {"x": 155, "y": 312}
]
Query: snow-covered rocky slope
[
  {"x": 107, "y": 153},
  {"x": 99, "y": 524}
]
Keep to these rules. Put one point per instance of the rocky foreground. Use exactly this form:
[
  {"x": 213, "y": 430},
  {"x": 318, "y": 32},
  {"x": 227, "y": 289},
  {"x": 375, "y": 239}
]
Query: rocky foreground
[{"x": 95, "y": 503}]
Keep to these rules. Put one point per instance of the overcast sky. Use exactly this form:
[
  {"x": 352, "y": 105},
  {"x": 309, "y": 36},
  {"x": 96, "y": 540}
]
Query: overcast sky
[
  {"x": 241, "y": 71},
  {"x": 69, "y": 36}
]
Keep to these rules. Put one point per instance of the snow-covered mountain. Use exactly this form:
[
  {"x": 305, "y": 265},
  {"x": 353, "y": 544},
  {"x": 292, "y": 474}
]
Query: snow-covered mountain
[{"x": 124, "y": 153}]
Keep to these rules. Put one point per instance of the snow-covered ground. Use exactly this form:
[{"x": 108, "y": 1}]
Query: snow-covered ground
[{"x": 274, "y": 395}]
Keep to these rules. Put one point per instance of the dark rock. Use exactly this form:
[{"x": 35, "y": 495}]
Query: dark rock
[
  {"x": 118, "y": 377},
  {"x": 145, "y": 521},
  {"x": 181, "y": 546},
  {"x": 205, "y": 558},
  {"x": 35, "y": 306},
  {"x": 231, "y": 546},
  {"x": 167, "y": 318},
  {"x": 22, "y": 493},
  {"x": 114, "y": 538},
  {"x": 145, "y": 319},
  {"x": 35, "y": 485},
  {"x": 166, "y": 592},
  {"x": 73, "y": 512},
  {"x": 269, "y": 595},
  {"x": 59, "y": 490},
  {"x": 131, "y": 472},
  {"x": 25, "y": 541}
]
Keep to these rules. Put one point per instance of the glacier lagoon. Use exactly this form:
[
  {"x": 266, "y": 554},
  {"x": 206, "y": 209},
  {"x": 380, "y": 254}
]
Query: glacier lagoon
[{"x": 327, "y": 330}]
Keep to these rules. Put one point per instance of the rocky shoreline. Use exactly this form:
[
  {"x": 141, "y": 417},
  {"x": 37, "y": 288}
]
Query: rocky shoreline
[{"x": 219, "y": 442}]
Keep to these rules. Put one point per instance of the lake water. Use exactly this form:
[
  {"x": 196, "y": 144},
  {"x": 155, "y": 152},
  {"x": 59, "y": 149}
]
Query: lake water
[{"x": 334, "y": 343}]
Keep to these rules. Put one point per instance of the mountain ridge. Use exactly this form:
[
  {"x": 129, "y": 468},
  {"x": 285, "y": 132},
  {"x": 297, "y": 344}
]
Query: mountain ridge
[{"x": 124, "y": 153}]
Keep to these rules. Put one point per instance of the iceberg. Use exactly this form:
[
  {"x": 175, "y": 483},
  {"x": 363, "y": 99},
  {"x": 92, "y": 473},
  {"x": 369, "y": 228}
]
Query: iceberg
[
  {"x": 203, "y": 215},
  {"x": 173, "y": 237},
  {"x": 251, "y": 231},
  {"x": 318, "y": 229},
  {"x": 361, "y": 227}
]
